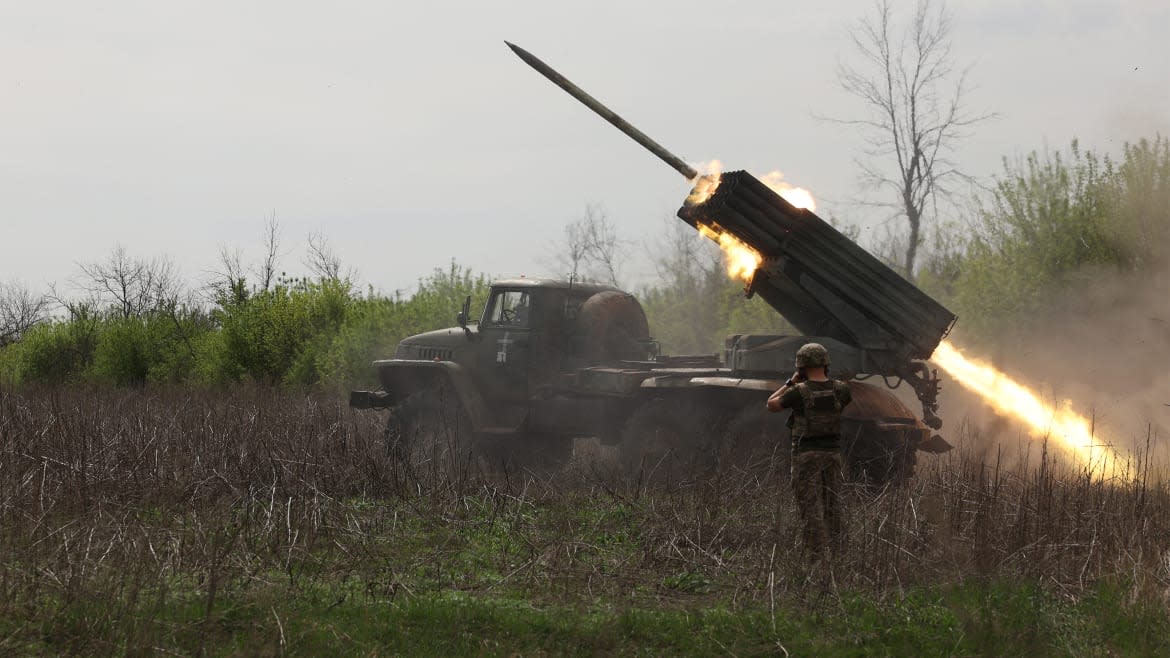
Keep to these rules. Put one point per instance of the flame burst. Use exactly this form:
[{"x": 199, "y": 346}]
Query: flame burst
[
  {"x": 705, "y": 183},
  {"x": 797, "y": 196},
  {"x": 1069, "y": 430},
  {"x": 741, "y": 259}
]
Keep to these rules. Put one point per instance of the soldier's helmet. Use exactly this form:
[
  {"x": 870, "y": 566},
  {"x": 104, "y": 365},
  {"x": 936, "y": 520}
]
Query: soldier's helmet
[{"x": 812, "y": 355}]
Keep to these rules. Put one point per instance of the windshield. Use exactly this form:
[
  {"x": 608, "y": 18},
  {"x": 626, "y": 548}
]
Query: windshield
[{"x": 509, "y": 308}]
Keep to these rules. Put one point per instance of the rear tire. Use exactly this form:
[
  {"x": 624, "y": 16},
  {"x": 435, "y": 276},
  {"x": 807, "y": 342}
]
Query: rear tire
[
  {"x": 756, "y": 442},
  {"x": 877, "y": 457},
  {"x": 879, "y": 435},
  {"x": 662, "y": 442}
]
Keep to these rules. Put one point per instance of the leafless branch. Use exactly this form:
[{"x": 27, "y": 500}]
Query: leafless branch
[
  {"x": 20, "y": 310},
  {"x": 592, "y": 249},
  {"x": 267, "y": 272},
  {"x": 321, "y": 260},
  {"x": 914, "y": 112},
  {"x": 131, "y": 287}
]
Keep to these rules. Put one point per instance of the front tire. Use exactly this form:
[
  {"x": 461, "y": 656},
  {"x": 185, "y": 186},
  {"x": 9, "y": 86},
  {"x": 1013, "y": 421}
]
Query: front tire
[{"x": 430, "y": 432}]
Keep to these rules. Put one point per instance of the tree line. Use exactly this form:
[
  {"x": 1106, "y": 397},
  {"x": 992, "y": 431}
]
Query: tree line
[{"x": 1049, "y": 220}]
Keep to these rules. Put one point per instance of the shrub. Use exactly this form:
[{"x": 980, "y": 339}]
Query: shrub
[
  {"x": 1054, "y": 222},
  {"x": 54, "y": 352},
  {"x": 272, "y": 335},
  {"x": 375, "y": 323}
]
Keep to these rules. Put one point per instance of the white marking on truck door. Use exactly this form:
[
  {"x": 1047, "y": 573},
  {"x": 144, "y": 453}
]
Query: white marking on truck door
[{"x": 502, "y": 349}]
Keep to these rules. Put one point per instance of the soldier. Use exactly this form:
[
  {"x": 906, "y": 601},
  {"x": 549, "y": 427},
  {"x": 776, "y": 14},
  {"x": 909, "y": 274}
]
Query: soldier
[{"x": 816, "y": 402}]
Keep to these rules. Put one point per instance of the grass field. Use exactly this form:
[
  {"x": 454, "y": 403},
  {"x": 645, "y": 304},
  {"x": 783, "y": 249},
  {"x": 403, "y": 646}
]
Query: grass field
[{"x": 260, "y": 522}]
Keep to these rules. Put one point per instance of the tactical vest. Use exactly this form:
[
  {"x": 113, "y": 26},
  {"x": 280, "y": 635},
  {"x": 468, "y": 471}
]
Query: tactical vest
[{"x": 822, "y": 411}]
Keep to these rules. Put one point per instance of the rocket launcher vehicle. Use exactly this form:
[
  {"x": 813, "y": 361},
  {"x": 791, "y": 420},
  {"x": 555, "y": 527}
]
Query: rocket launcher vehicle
[
  {"x": 818, "y": 279},
  {"x": 824, "y": 284}
]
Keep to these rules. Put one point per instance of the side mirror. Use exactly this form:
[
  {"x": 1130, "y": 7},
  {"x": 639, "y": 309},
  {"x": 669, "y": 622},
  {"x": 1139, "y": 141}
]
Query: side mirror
[{"x": 462, "y": 317}]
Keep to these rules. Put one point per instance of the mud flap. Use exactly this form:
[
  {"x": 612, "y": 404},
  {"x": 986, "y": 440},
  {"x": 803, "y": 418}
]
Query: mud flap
[{"x": 935, "y": 444}]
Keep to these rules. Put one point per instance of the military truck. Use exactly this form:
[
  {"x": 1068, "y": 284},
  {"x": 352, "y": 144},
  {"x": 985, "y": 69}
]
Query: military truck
[{"x": 549, "y": 361}]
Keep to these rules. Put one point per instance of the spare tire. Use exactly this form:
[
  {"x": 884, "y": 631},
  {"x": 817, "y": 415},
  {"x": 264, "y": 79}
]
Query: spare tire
[{"x": 613, "y": 327}]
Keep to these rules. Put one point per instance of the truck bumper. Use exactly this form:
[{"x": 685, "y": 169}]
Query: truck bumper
[{"x": 369, "y": 399}]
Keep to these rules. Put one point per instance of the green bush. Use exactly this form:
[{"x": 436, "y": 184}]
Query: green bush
[
  {"x": 53, "y": 352},
  {"x": 123, "y": 353},
  {"x": 1054, "y": 222},
  {"x": 158, "y": 348},
  {"x": 274, "y": 335},
  {"x": 375, "y": 324},
  {"x": 299, "y": 332}
]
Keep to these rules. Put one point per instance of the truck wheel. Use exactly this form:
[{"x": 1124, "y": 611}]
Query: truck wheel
[
  {"x": 661, "y": 442},
  {"x": 430, "y": 431},
  {"x": 524, "y": 452},
  {"x": 880, "y": 436},
  {"x": 756, "y": 441},
  {"x": 877, "y": 457}
]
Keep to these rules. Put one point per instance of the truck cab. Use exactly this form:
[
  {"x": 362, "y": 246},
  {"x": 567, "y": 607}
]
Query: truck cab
[{"x": 530, "y": 337}]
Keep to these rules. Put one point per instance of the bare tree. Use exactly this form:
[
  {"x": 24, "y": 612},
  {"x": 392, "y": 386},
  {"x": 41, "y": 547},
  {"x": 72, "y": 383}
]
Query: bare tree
[
  {"x": 132, "y": 286},
  {"x": 20, "y": 310},
  {"x": 321, "y": 259},
  {"x": 592, "y": 249},
  {"x": 915, "y": 112},
  {"x": 267, "y": 271},
  {"x": 684, "y": 261},
  {"x": 229, "y": 281}
]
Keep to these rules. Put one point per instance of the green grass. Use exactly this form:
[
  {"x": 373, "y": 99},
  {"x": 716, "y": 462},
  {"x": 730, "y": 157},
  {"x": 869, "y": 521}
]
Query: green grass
[
  {"x": 489, "y": 575},
  {"x": 342, "y": 620}
]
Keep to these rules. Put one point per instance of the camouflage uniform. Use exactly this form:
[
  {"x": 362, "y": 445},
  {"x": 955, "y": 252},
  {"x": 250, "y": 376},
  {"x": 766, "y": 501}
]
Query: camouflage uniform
[
  {"x": 816, "y": 485},
  {"x": 817, "y": 463}
]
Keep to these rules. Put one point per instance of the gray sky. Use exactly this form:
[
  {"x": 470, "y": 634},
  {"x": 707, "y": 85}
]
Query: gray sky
[{"x": 409, "y": 134}]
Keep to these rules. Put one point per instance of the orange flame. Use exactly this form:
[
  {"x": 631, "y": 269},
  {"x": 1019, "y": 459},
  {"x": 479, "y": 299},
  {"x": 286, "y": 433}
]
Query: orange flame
[
  {"x": 1069, "y": 430},
  {"x": 705, "y": 183},
  {"x": 741, "y": 259},
  {"x": 797, "y": 196}
]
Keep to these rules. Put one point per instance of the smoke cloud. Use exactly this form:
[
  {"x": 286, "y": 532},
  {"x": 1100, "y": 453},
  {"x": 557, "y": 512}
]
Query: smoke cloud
[{"x": 1104, "y": 344}]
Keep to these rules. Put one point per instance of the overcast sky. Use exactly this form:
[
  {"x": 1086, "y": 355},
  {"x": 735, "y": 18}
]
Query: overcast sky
[{"x": 409, "y": 134}]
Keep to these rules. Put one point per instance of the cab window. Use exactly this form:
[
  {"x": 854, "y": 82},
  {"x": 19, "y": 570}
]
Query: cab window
[{"x": 509, "y": 308}]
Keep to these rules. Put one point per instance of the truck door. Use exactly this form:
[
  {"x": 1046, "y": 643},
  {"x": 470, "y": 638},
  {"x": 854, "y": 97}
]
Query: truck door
[{"x": 506, "y": 334}]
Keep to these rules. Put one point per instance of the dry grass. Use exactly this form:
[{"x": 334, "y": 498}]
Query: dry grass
[{"x": 126, "y": 504}]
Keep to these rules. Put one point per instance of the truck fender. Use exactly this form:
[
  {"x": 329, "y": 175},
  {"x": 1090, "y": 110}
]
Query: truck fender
[
  {"x": 872, "y": 405},
  {"x": 740, "y": 383},
  {"x": 401, "y": 377}
]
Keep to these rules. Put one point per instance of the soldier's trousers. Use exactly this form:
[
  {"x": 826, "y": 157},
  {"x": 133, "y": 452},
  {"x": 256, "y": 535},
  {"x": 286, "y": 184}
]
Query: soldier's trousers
[{"x": 817, "y": 479}]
